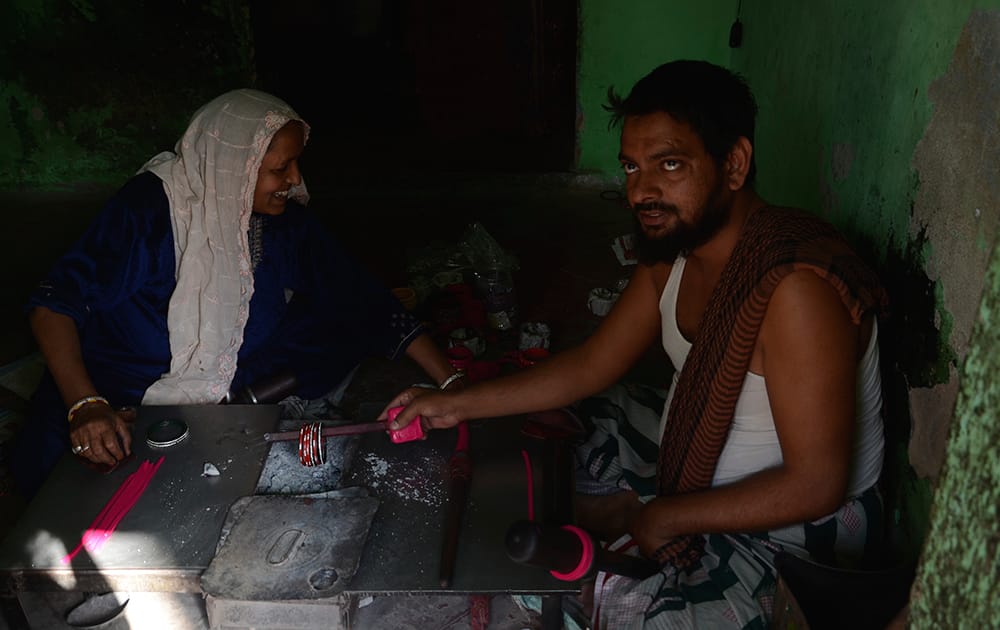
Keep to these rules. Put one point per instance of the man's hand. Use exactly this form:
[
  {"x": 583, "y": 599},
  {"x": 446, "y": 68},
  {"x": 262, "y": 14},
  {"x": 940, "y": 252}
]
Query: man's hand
[
  {"x": 438, "y": 409},
  {"x": 103, "y": 434},
  {"x": 651, "y": 527},
  {"x": 607, "y": 516}
]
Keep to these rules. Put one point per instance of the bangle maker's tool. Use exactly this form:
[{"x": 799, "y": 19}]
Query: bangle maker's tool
[{"x": 312, "y": 448}]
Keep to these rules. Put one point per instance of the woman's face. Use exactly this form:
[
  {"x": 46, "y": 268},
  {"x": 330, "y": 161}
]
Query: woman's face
[{"x": 279, "y": 170}]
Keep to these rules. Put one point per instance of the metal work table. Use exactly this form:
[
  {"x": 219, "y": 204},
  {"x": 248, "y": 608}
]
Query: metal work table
[
  {"x": 403, "y": 550},
  {"x": 170, "y": 536}
]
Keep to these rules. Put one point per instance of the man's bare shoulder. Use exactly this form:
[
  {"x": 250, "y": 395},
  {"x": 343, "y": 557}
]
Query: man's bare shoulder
[
  {"x": 804, "y": 292},
  {"x": 806, "y": 309}
]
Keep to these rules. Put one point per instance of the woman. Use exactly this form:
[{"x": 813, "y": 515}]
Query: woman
[{"x": 203, "y": 275}]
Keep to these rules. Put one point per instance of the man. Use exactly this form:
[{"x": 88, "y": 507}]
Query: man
[{"x": 771, "y": 436}]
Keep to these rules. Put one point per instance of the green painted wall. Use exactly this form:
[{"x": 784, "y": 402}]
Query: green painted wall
[
  {"x": 620, "y": 42},
  {"x": 90, "y": 89},
  {"x": 842, "y": 88},
  {"x": 845, "y": 96},
  {"x": 881, "y": 117}
]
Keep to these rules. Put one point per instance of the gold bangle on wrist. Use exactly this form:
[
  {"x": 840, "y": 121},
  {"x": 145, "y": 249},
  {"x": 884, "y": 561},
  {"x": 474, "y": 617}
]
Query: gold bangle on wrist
[{"x": 80, "y": 404}]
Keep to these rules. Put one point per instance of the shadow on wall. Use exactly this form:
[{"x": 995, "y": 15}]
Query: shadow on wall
[{"x": 913, "y": 355}]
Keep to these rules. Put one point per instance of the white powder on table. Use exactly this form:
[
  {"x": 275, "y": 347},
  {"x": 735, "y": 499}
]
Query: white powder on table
[{"x": 419, "y": 480}]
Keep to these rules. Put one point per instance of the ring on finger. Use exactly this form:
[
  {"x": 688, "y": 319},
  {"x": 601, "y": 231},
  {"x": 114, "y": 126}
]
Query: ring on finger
[{"x": 79, "y": 449}]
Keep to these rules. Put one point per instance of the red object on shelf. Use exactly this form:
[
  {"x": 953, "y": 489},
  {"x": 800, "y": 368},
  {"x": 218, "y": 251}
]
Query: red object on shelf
[
  {"x": 460, "y": 357},
  {"x": 482, "y": 370}
]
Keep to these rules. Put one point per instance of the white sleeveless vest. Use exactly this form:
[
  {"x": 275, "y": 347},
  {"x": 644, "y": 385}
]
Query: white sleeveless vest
[{"x": 752, "y": 444}]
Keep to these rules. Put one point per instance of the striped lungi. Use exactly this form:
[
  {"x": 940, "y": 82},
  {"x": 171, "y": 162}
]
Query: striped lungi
[{"x": 734, "y": 585}]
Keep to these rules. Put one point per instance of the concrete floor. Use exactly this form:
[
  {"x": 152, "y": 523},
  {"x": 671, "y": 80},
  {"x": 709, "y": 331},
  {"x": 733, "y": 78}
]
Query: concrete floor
[
  {"x": 559, "y": 226},
  {"x": 187, "y": 611}
]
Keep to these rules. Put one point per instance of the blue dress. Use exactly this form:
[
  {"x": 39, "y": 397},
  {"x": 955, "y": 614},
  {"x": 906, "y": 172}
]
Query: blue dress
[{"x": 315, "y": 311}]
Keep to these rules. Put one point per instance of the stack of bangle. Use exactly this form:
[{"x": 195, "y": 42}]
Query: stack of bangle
[
  {"x": 451, "y": 379},
  {"x": 80, "y": 404}
]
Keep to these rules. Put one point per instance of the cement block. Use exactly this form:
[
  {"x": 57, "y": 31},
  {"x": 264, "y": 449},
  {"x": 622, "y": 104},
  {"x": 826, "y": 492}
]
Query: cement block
[{"x": 231, "y": 614}]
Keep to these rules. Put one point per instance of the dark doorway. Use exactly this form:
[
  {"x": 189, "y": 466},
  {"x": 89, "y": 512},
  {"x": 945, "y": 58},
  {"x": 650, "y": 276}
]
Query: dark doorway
[{"x": 444, "y": 85}]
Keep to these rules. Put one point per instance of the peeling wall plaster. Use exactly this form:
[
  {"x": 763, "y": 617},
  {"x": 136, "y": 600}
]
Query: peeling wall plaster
[{"x": 958, "y": 207}]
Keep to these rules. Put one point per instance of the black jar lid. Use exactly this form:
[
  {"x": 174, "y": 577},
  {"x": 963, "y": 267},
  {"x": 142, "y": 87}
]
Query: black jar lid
[{"x": 166, "y": 433}]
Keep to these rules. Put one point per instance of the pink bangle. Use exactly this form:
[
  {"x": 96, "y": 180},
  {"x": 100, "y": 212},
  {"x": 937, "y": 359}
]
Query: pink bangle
[{"x": 586, "y": 556}]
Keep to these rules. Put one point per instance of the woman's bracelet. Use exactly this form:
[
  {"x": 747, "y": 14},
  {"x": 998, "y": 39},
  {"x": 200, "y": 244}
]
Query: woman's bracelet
[
  {"x": 80, "y": 404},
  {"x": 451, "y": 379}
]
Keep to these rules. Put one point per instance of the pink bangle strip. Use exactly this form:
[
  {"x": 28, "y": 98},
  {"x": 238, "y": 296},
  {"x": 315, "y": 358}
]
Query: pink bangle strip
[
  {"x": 531, "y": 484},
  {"x": 114, "y": 505},
  {"x": 103, "y": 519},
  {"x": 125, "y": 503},
  {"x": 586, "y": 557},
  {"x": 94, "y": 537},
  {"x": 115, "y": 509},
  {"x": 121, "y": 503},
  {"x": 462, "y": 441}
]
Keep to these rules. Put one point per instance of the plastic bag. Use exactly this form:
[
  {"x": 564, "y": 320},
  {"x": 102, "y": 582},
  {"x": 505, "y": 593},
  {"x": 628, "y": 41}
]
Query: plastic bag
[
  {"x": 483, "y": 252},
  {"x": 492, "y": 267}
]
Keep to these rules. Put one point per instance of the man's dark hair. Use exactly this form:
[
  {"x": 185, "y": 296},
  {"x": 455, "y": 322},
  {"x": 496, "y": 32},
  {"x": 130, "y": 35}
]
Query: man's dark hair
[{"x": 716, "y": 102}]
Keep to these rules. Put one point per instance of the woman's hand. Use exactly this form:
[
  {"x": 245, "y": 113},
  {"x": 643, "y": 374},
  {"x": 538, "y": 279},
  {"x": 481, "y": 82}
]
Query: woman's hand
[{"x": 101, "y": 434}]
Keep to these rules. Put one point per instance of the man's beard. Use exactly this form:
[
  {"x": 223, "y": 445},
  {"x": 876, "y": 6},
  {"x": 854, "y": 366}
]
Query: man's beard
[{"x": 684, "y": 238}]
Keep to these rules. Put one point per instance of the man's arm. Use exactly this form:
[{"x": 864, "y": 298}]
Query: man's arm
[
  {"x": 808, "y": 352},
  {"x": 566, "y": 377}
]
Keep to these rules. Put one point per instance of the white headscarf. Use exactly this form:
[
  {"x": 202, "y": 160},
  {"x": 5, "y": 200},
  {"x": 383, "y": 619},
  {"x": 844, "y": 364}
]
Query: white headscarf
[{"x": 210, "y": 181}]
